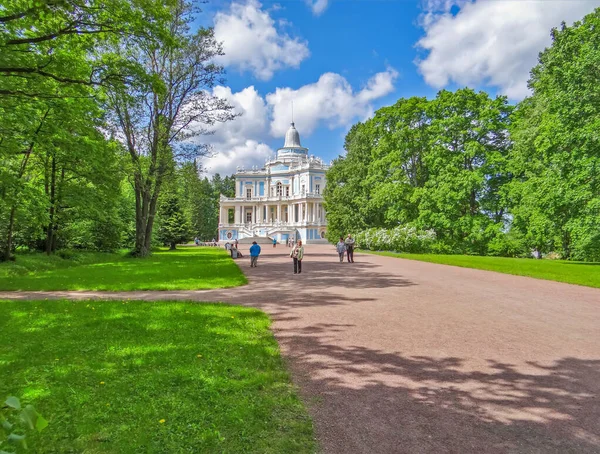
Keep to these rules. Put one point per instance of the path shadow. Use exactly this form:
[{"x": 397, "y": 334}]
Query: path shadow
[
  {"x": 420, "y": 404},
  {"x": 323, "y": 281}
]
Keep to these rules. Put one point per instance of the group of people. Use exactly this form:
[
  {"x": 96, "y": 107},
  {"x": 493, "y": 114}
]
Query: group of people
[
  {"x": 233, "y": 249},
  {"x": 197, "y": 242},
  {"x": 346, "y": 246},
  {"x": 297, "y": 254}
]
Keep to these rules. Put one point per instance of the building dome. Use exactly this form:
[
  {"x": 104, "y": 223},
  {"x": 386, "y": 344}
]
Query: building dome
[{"x": 292, "y": 138}]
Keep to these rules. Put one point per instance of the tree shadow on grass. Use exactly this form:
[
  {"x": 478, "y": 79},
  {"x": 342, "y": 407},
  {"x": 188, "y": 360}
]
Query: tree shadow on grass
[
  {"x": 105, "y": 375},
  {"x": 366, "y": 400}
]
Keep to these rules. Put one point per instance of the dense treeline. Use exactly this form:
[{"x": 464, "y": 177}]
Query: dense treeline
[
  {"x": 484, "y": 176},
  {"x": 101, "y": 106}
]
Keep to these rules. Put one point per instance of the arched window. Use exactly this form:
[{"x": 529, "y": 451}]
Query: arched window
[{"x": 279, "y": 188}]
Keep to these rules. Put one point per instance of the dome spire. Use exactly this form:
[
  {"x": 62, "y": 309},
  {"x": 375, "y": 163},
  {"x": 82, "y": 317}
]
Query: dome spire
[{"x": 292, "y": 138}]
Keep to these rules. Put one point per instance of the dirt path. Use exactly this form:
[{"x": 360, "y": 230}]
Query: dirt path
[{"x": 397, "y": 356}]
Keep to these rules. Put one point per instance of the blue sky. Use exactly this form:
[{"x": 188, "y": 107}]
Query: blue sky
[{"x": 339, "y": 61}]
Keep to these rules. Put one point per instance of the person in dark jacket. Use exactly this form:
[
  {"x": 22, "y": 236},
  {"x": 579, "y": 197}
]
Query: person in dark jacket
[
  {"x": 350, "y": 248},
  {"x": 254, "y": 253}
]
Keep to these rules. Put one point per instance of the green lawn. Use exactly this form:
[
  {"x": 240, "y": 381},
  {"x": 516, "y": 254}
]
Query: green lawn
[
  {"x": 580, "y": 273},
  {"x": 151, "y": 377},
  {"x": 187, "y": 268}
]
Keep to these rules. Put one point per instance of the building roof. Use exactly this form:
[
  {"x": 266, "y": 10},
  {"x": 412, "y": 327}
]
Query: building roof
[{"x": 292, "y": 138}]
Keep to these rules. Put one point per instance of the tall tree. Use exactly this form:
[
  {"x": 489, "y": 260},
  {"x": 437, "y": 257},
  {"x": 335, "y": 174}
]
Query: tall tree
[
  {"x": 400, "y": 152},
  {"x": 347, "y": 196},
  {"x": 470, "y": 141},
  {"x": 168, "y": 105},
  {"x": 556, "y": 156}
]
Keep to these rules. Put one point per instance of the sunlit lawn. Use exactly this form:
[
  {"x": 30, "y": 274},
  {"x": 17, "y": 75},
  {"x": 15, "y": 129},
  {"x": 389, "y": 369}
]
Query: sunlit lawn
[
  {"x": 187, "y": 268},
  {"x": 106, "y": 374},
  {"x": 580, "y": 273}
]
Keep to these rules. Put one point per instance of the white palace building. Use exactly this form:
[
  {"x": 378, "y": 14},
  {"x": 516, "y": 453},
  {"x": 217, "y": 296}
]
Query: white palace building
[{"x": 280, "y": 201}]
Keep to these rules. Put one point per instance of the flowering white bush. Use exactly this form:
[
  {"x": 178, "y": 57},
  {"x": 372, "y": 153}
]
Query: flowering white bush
[{"x": 399, "y": 239}]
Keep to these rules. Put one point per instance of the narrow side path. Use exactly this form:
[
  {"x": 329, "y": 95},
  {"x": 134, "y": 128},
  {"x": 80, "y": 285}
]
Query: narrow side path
[{"x": 397, "y": 356}]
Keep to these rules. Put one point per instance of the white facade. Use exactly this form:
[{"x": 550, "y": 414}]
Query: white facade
[{"x": 282, "y": 200}]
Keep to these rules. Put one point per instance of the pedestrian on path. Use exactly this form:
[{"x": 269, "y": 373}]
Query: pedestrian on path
[
  {"x": 341, "y": 248},
  {"x": 297, "y": 254},
  {"x": 254, "y": 253},
  {"x": 350, "y": 248},
  {"x": 274, "y": 242}
]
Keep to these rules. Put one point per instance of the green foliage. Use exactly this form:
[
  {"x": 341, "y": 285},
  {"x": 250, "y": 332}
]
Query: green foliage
[
  {"x": 188, "y": 268},
  {"x": 74, "y": 72},
  {"x": 432, "y": 165},
  {"x": 486, "y": 177},
  {"x": 399, "y": 239},
  {"x": 169, "y": 376},
  {"x": 347, "y": 196},
  {"x": 14, "y": 427},
  {"x": 173, "y": 226},
  {"x": 555, "y": 196}
]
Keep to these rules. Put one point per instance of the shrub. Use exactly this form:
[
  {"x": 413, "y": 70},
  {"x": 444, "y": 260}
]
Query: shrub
[{"x": 399, "y": 239}]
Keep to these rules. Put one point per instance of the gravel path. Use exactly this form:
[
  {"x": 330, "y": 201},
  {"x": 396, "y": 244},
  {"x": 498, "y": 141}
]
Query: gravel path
[{"x": 398, "y": 356}]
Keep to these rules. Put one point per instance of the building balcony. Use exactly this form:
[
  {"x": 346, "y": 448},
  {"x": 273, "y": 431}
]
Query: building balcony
[
  {"x": 271, "y": 225},
  {"x": 313, "y": 196}
]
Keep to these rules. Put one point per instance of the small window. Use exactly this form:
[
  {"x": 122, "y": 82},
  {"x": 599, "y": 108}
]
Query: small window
[
  {"x": 287, "y": 191},
  {"x": 317, "y": 188},
  {"x": 279, "y": 188},
  {"x": 303, "y": 189},
  {"x": 248, "y": 193}
]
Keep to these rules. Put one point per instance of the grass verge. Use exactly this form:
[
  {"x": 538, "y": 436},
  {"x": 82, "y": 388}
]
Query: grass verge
[
  {"x": 191, "y": 268},
  {"x": 156, "y": 377},
  {"x": 579, "y": 273}
]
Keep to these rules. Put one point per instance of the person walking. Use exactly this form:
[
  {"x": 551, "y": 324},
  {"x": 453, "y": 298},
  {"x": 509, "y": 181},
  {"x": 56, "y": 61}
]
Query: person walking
[
  {"x": 341, "y": 248},
  {"x": 254, "y": 253},
  {"x": 297, "y": 254},
  {"x": 274, "y": 242},
  {"x": 350, "y": 248}
]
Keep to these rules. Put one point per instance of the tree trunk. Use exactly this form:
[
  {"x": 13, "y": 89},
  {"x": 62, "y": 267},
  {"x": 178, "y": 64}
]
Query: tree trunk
[
  {"x": 141, "y": 203},
  {"x": 173, "y": 246},
  {"x": 7, "y": 253},
  {"x": 51, "y": 227}
]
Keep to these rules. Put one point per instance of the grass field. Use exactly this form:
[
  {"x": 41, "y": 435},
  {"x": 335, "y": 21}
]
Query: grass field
[
  {"x": 187, "y": 268},
  {"x": 152, "y": 377},
  {"x": 580, "y": 273}
]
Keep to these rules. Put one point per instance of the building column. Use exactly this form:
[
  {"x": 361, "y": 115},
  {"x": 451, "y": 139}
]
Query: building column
[{"x": 279, "y": 212}]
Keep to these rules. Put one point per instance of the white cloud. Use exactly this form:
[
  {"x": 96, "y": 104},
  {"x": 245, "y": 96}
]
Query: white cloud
[
  {"x": 318, "y": 6},
  {"x": 330, "y": 101},
  {"x": 252, "y": 41},
  {"x": 495, "y": 43},
  {"x": 238, "y": 142},
  {"x": 246, "y": 155}
]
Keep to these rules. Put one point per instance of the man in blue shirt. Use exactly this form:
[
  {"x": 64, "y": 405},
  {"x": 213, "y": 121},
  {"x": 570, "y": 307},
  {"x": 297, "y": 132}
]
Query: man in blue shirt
[{"x": 254, "y": 253}]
